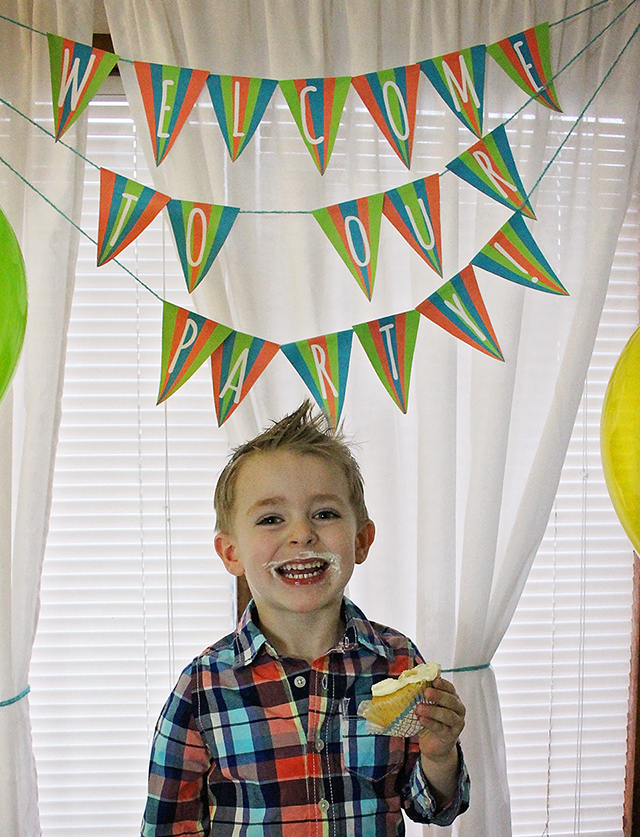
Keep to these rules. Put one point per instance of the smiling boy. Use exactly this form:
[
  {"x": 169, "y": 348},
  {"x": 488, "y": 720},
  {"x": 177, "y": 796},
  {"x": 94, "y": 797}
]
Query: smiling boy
[{"x": 261, "y": 734}]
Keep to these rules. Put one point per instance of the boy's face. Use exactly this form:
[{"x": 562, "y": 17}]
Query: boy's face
[{"x": 295, "y": 535}]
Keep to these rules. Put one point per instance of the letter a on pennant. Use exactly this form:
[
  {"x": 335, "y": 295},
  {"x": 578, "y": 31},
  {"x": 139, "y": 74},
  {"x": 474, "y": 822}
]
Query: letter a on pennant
[
  {"x": 513, "y": 254},
  {"x": 459, "y": 79},
  {"x": 239, "y": 103},
  {"x": 353, "y": 227},
  {"x": 414, "y": 210},
  {"x": 323, "y": 364},
  {"x": 126, "y": 208},
  {"x": 77, "y": 72},
  {"x": 526, "y": 59},
  {"x": 458, "y": 308},
  {"x": 489, "y": 166},
  {"x": 235, "y": 367},
  {"x": 188, "y": 339},
  {"x": 389, "y": 343},
  {"x": 168, "y": 94},
  {"x": 199, "y": 230},
  {"x": 390, "y": 97},
  {"x": 316, "y": 105}
]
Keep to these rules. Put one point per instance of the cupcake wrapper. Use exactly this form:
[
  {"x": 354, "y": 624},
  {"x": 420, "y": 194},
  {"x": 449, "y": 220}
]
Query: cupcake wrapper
[{"x": 405, "y": 725}]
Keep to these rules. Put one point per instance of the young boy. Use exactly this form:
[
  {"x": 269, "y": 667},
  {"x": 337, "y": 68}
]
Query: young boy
[{"x": 261, "y": 735}]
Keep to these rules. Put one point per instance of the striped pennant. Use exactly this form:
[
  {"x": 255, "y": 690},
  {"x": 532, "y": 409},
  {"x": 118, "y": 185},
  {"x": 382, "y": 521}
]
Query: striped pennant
[
  {"x": 316, "y": 105},
  {"x": 513, "y": 254},
  {"x": 489, "y": 166},
  {"x": 235, "y": 367},
  {"x": 390, "y": 96},
  {"x": 126, "y": 208},
  {"x": 239, "y": 103},
  {"x": 323, "y": 364},
  {"x": 77, "y": 72},
  {"x": 199, "y": 230},
  {"x": 353, "y": 227},
  {"x": 188, "y": 339},
  {"x": 389, "y": 343},
  {"x": 168, "y": 94},
  {"x": 458, "y": 308},
  {"x": 526, "y": 59},
  {"x": 459, "y": 79},
  {"x": 414, "y": 210}
]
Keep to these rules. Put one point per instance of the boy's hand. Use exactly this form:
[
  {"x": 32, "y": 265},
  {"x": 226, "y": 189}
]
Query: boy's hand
[{"x": 442, "y": 718}]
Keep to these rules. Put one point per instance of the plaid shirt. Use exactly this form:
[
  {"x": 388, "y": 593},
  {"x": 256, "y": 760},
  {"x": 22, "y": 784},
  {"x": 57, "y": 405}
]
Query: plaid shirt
[{"x": 252, "y": 744}]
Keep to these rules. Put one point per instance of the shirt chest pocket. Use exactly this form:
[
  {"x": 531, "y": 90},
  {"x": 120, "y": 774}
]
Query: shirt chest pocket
[{"x": 365, "y": 755}]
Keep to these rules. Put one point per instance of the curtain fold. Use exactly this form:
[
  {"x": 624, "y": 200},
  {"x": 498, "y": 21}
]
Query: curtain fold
[
  {"x": 461, "y": 486},
  {"x": 30, "y": 410}
]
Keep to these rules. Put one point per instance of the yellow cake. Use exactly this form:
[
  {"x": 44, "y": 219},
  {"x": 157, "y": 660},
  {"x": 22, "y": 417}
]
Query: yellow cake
[{"x": 393, "y": 696}]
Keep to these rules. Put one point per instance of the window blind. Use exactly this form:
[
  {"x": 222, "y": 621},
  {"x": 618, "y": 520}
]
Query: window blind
[{"x": 132, "y": 589}]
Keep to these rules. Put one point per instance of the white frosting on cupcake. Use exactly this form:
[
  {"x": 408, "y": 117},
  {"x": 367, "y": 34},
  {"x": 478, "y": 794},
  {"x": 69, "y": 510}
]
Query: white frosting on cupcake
[{"x": 424, "y": 672}]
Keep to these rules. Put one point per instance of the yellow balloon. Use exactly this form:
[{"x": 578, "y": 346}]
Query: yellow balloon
[{"x": 620, "y": 438}]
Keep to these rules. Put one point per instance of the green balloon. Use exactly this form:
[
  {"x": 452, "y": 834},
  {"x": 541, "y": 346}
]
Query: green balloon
[{"x": 13, "y": 303}]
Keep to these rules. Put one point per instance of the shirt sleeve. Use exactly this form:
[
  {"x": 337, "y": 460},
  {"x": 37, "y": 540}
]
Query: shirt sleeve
[
  {"x": 418, "y": 798},
  {"x": 177, "y": 801}
]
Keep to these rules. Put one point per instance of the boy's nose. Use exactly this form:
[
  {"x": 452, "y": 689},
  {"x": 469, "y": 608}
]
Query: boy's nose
[{"x": 302, "y": 533}]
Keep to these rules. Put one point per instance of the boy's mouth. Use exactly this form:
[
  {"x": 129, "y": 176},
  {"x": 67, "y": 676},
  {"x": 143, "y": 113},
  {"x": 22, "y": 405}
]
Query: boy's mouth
[{"x": 305, "y": 568}]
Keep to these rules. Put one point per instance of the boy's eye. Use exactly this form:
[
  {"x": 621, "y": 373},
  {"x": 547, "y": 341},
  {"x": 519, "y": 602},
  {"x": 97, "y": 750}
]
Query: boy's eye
[
  {"x": 327, "y": 514},
  {"x": 269, "y": 520}
]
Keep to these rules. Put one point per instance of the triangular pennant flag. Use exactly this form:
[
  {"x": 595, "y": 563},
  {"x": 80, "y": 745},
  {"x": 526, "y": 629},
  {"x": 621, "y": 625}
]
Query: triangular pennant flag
[
  {"x": 457, "y": 307},
  {"x": 77, "y": 72},
  {"x": 235, "y": 367},
  {"x": 513, "y": 254},
  {"x": 353, "y": 227},
  {"x": 414, "y": 210},
  {"x": 316, "y": 105},
  {"x": 390, "y": 97},
  {"x": 126, "y": 208},
  {"x": 323, "y": 364},
  {"x": 489, "y": 166},
  {"x": 389, "y": 343},
  {"x": 459, "y": 78},
  {"x": 239, "y": 103},
  {"x": 188, "y": 339},
  {"x": 168, "y": 94},
  {"x": 199, "y": 230},
  {"x": 526, "y": 59}
]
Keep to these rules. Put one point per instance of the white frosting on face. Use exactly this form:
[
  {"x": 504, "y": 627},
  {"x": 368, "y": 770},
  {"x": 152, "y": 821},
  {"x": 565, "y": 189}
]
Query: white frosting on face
[
  {"x": 424, "y": 672},
  {"x": 330, "y": 558}
]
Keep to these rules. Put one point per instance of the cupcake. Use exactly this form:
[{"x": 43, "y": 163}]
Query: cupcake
[{"x": 391, "y": 708}]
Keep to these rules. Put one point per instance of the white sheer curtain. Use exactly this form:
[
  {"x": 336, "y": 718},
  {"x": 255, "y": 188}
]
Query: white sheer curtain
[
  {"x": 29, "y": 413},
  {"x": 460, "y": 487}
]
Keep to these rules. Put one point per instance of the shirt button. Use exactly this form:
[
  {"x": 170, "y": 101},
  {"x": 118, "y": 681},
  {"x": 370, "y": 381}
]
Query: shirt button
[
  {"x": 300, "y": 682},
  {"x": 319, "y": 745},
  {"x": 323, "y": 805}
]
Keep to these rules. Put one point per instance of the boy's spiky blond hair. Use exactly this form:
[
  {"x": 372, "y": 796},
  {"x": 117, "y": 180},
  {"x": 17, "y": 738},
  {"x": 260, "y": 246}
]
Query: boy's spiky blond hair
[{"x": 300, "y": 432}]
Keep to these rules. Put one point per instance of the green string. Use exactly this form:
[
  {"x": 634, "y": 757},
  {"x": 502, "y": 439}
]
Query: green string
[
  {"x": 15, "y": 699},
  {"x": 577, "y": 14},
  {"x": 465, "y": 668}
]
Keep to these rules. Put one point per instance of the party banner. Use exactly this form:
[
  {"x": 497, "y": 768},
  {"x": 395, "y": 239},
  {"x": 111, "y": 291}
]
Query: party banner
[
  {"x": 188, "y": 339},
  {"x": 77, "y": 72},
  {"x": 414, "y": 210},
  {"x": 126, "y": 208},
  {"x": 459, "y": 79},
  {"x": 168, "y": 94},
  {"x": 199, "y": 230},
  {"x": 489, "y": 166},
  {"x": 353, "y": 227},
  {"x": 526, "y": 59},
  {"x": 239, "y": 103},
  {"x": 458, "y": 308},
  {"x": 323, "y": 364},
  {"x": 316, "y": 105},
  {"x": 513, "y": 254},
  {"x": 389, "y": 343},
  {"x": 390, "y": 97},
  {"x": 235, "y": 367}
]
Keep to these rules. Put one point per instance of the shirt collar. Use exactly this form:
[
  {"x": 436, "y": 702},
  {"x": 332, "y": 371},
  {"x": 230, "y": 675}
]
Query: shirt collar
[{"x": 249, "y": 639}]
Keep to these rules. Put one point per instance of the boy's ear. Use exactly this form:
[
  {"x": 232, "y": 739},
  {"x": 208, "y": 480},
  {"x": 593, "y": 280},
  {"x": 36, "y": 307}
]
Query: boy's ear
[
  {"x": 364, "y": 539},
  {"x": 226, "y": 549}
]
